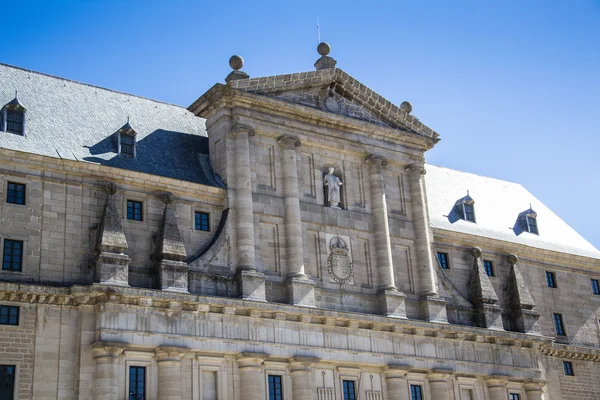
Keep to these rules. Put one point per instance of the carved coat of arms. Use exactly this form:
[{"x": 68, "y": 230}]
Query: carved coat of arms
[{"x": 339, "y": 263}]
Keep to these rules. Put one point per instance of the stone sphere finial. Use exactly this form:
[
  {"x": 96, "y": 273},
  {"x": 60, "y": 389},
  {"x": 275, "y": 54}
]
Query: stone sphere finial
[
  {"x": 109, "y": 187},
  {"x": 236, "y": 62},
  {"x": 406, "y": 107},
  {"x": 167, "y": 197},
  {"x": 475, "y": 252},
  {"x": 512, "y": 259},
  {"x": 324, "y": 48}
]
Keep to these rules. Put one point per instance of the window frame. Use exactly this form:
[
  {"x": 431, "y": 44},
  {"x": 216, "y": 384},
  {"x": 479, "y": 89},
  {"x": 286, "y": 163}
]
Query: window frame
[
  {"x": 568, "y": 368},
  {"x": 198, "y": 226},
  {"x": 132, "y": 145},
  {"x": 346, "y": 380},
  {"x": 595, "y": 286},
  {"x": 10, "y": 308},
  {"x": 22, "y": 251},
  {"x": 514, "y": 396},
  {"x": 6, "y": 122},
  {"x": 128, "y": 387},
  {"x": 559, "y": 325},
  {"x": 412, "y": 393},
  {"x": 532, "y": 224},
  {"x": 274, "y": 396},
  {"x": 551, "y": 283},
  {"x": 470, "y": 213},
  {"x": 15, "y": 376},
  {"x": 446, "y": 264},
  {"x": 17, "y": 184},
  {"x": 488, "y": 266},
  {"x": 134, "y": 202}
]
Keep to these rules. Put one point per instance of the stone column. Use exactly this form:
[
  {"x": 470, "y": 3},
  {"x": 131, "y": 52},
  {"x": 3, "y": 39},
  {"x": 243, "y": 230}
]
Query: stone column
[
  {"x": 433, "y": 308},
  {"x": 251, "y": 377},
  {"x": 300, "y": 288},
  {"x": 438, "y": 385},
  {"x": 395, "y": 382},
  {"x": 303, "y": 381},
  {"x": 391, "y": 302},
  {"x": 106, "y": 376},
  {"x": 168, "y": 360},
  {"x": 497, "y": 388},
  {"x": 251, "y": 283},
  {"x": 534, "y": 390}
]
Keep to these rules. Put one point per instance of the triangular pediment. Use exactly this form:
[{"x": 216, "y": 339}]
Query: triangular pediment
[{"x": 334, "y": 91}]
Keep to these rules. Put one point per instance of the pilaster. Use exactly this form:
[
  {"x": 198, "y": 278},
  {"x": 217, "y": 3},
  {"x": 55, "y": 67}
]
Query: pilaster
[
  {"x": 251, "y": 379},
  {"x": 303, "y": 381},
  {"x": 439, "y": 384},
  {"x": 168, "y": 359},
  {"x": 496, "y": 387},
  {"x": 396, "y": 382},
  {"x": 106, "y": 375}
]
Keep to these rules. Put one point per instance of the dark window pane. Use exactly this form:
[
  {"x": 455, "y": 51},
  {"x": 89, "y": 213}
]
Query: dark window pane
[
  {"x": 469, "y": 212},
  {"x": 9, "y": 315},
  {"x": 595, "y": 286},
  {"x": 137, "y": 383},
  {"x": 201, "y": 221},
  {"x": 568, "y": 367},
  {"x": 443, "y": 258},
  {"x": 275, "y": 388},
  {"x": 12, "y": 259},
  {"x": 348, "y": 387},
  {"x": 558, "y": 325},
  {"x": 532, "y": 225},
  {"x": 489, "y": 267},
  {"x": 14, "y": 122},
  {"x": 550, "y": 279},
  {"x": 15, "y": 193},
  {"x": 514, "y": 396},
  {"x": 416, "y": 392},
  {"x": 127, "y": 145},
  {"x": 7, "y": 382},
  {"x": 134, "y": 210}
]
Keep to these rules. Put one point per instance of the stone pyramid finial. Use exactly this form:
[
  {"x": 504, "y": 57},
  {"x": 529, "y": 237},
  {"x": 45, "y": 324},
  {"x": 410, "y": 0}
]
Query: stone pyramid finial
[
  {"x": 325, "y": 61},
  {"x": 524, "y": 318},
  {"x": 483, "y": 296},
  {"x": 236, "y": 63}
]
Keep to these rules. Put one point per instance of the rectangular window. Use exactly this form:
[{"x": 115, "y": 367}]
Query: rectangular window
[
  {"x": 550, "y": 279},
  {"x": 14, "y": 122},
  {"x": 275, "y": 388},
  {"x": 201, "y": 221},
  {"x": 134, "y": 210},
  {"x": 443, "y": 258},
  {"x": 348, "y": 388},
  {"x": 558, "y": 325},
  {"x": 568, "y": 367},
  {"x": 7, "y": 382},
  {"x": 15, "y": 193},
  {"x": 514, "y": 396},
  {"x": 127, "y": 145},
  {"x": 137, "y": 383},
  {"x": 469, "y": 210},
  {"x": 595, "y": 286},
  {"x": 489, "y": 267},
  {"x": 532, "y": 225},
  {"x": 416, "y": 392},
  {"x": 9, "y": 315},
  {"x": 12, "y": 259}
]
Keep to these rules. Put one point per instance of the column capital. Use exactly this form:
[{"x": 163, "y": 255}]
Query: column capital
[
  {"x": 376, "y": 160},
  {"x": 302, "y": 362},
  {"x": 439, "y": 374},
  {"x": 108, "y": 349},
  {"x": 241, "y": 130},
  {"x": 512, "y": 259},
  {"x": 396, "y": 371},
  {"x": 289, "y": 142},
  {"x": 170, "y": 353},
  {"x": 249, "y": 359},
  {"x": 415, "y": 168},
  {"x": 496, "y": 381}
]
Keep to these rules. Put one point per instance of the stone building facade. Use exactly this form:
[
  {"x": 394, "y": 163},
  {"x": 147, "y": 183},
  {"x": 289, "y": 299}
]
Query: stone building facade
[{"x": 157, "y": 252}]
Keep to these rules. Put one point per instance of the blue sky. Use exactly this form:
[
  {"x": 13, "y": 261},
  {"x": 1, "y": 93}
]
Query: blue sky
[{"x": 513, "y": 87}]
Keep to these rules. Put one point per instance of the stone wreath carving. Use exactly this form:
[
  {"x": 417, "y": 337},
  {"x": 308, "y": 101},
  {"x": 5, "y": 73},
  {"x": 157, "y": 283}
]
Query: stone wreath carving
[{"x": 339, "y": 263}]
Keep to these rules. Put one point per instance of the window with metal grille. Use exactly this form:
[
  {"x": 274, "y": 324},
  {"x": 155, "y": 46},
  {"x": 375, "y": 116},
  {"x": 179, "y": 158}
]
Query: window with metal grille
[
  {"x": 127, "y": 145},
  {"x": 202, "y": 221},
  {"x": 489, "y": 267},
  {"x": 568, "y": 367},
  {"x": 550, "y": 279},
  {"x": 514, "y": 396},
  {"x": 595, "y": 286},
  {"x": 275, "y": 388},
  {"x": 12, "y": 258},
  {"x": 469, "y": 212},
  {"x": 558, "y": 324},
  {"x": 137, "y": 383},
  {"x": 443, "y": 259},
  {"x": 14, "y": 121},
  {"x": 135, "y": 210},
  {"x": 15, "y": 193},
  {"x": 532, "y": 225},
  {"x": 9, "y": 315},
  {"x": 416, "y": 392},
  {"x": 7, "y": 382},
  {"x": 349, "y": 390}
]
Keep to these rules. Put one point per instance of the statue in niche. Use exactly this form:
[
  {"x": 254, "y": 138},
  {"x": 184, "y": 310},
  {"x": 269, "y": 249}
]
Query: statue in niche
[{"x": 332, "y": 185}]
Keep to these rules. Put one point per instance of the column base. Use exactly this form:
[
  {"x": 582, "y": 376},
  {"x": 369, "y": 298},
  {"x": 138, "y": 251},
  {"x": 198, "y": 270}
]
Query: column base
[
  {"x": 251, "y": 285},
  {"x": 489, "y": 316},
  {"x": 112, "y": 269},
  {"x": 173, "y": 276},
  {"x": 301, "y": 292},
  {"x": 391, "y": 304},
  {"x": 433, "y": 309},
  {"x": 527, "y": 322}
]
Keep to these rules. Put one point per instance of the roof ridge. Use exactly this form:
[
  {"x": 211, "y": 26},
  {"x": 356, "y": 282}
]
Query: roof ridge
[{"x": 90, "y": 85}]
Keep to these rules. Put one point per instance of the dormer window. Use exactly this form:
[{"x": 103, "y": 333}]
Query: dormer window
[
  {"x": 126, "y": 140},
  {"x": 13, "y": 117},
  {"x": 465, "y": 208},
  {"x": 532, "y": 224},
  {"x": 469, "y": 212}
]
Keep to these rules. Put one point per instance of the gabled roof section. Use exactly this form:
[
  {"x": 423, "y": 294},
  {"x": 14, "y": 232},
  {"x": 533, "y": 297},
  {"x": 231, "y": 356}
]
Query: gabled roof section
[
  {"x": 77, "y": 121},
  {"x": 499, "y": 204},
  {"x": 353, "y": 99}
]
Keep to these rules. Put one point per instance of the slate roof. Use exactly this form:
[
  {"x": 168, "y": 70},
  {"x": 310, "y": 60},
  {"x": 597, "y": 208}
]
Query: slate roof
[
  {"x": 77, "y": 121},
  {"x": 499, "y": 207}
]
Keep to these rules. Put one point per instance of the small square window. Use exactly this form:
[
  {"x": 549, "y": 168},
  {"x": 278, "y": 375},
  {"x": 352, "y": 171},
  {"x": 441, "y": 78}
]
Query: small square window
[
  {"x": 14, "y": 121},
  {"x": 559, "y": 325},
  {"x": 15, "y": 193},
  {"x": 443, "y": 259},
  {"x": 595, "y": 286},
  {"x": 514, "y": 396},
  {"x": 349, "y": 390},
  {"x": 9, "y": 315},
  {"x": 532, "y": 225},
  {"x": 275, "y": 387},
  {"x": 128, "y": 145},
  {"x": 7, "y": 381},
  {"x": 568, "y": 367},
  {"x": 469, "y": 212},
  {"x": 202, "y": 221},
  {"x": 12, "y": 258},
  {"x": 489, "y": 267},
  {"x": 551, "y": 279},
  {"x": 416, "y": 392},
  {"x": 135, "y": 210},
  {"x": 137, "y": 383}
]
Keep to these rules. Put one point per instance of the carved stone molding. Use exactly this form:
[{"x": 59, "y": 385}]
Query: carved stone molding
[
  {"x": 377, "y": 160},
  {"x": 242, "y": 129},
  {"x": 289, "y": 142},
  {"x": 416, "y": 169}
]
